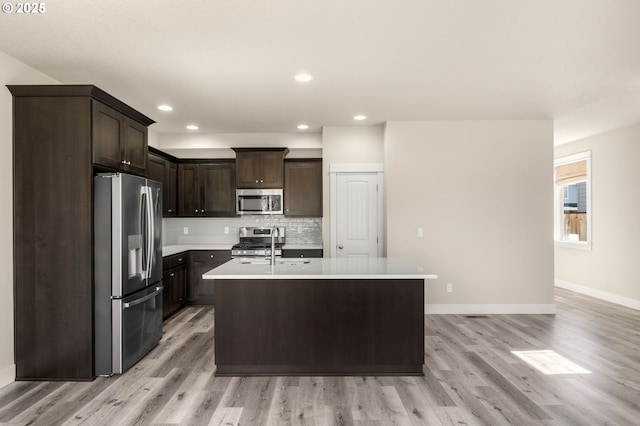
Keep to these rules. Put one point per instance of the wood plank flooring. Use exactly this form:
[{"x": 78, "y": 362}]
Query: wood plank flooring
[{"x": 471, "y": 378}]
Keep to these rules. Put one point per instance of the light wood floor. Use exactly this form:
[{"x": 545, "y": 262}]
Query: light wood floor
[{"x": 471, "y": 377}]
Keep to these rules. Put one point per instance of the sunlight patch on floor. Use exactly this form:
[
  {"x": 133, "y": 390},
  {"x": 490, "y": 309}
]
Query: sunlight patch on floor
[{"x": 549, "y": 362}]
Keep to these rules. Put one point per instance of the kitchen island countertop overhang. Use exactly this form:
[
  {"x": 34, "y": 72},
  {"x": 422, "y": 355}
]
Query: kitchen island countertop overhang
[
  {"x": 320, "y": 268},
  {"x": 324, "y": 316}
]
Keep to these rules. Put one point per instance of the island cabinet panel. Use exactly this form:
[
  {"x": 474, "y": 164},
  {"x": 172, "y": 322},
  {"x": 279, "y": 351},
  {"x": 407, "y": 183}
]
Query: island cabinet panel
[
  {"x": 319, "y": 326},
  {"x": 260, "y": 168},
  {"x": 303, "y": 188},
  {"x": 200, "y": 291}
]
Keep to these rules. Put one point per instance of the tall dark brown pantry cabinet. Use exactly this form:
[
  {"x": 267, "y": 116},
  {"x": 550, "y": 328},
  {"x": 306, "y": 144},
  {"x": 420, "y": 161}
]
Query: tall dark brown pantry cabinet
[{"x": 62, "y": 136}]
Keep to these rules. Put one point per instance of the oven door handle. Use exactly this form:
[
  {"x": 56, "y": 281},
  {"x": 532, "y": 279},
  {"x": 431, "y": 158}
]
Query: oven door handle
[{"x": 143, "y": 299}]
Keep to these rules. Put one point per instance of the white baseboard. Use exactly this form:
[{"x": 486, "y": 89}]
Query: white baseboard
[
  {"x": 599, "y": 294},
  {"x": 489, "y": 309},
  {"x": 7, "y": 375}
]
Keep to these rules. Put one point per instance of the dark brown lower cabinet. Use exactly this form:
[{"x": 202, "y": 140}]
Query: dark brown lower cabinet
[
  {"x": 175, "y": 290},
  {"x": 319, "y": 327},
  {"x": 200, "y": 292},
  {"x": 174, "y": 280},
  {"x": 302, "y": 253}
]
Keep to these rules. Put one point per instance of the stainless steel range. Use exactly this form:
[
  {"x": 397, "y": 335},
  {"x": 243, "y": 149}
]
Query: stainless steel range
[{"x": 256, "y": 242}]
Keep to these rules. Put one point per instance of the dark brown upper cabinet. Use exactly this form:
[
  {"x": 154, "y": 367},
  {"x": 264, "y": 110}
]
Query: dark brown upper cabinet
[
  {"x": 260, "y": 167},
  {"x": 207, "y": 188},
  {"x": 119, "y": 142},
  {"x": 163, "y": 169},
  {"x": 303, "y": 188}
]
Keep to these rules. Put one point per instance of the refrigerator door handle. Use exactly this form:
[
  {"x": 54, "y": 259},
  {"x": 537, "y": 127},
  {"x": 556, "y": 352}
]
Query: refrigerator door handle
[
  {"x": 143, "y": 299},
  {"x": 148, "y": 230},
  {"x": 151, "y": 230}
]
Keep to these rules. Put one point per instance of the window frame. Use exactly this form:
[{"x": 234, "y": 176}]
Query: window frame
[{"x": 558, "y": 204}]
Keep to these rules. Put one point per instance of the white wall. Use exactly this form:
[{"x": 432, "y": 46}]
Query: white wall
[
  {"x": 611, "y": 270},
  {"x": 349, "y": 144},
  {"x": 12, "y": 71},
  {"x": 482, "y": 192}
]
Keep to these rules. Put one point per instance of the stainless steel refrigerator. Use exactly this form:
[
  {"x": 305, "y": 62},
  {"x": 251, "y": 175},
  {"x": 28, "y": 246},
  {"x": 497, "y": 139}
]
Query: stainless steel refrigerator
[{"x": 128, "y": 270}]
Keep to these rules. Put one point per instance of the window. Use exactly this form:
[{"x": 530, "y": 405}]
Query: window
[{"x": 573, "y": 201}]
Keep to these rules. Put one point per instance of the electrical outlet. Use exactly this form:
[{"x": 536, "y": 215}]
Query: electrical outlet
[
  {"x": 185, "y": 230},
  {"x": 420, "y": 232},
  {"x": 449, "y": 288},
  {"x": 226, "y": 229}
]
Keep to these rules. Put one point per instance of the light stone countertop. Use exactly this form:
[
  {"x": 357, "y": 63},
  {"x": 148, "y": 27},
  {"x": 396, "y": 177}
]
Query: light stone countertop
[
  {"x": 173, "y": 249},
  {"x": 320, "y": 268}
]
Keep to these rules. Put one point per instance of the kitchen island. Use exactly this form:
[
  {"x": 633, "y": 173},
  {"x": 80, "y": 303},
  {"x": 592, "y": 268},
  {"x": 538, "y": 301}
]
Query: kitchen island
[{"x": 327, "y": 316}]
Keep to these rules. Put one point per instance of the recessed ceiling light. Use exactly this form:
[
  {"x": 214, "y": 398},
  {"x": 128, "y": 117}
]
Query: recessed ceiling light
[
  {"x": 303, "y": 77},
  {"x": 360, "y": 117},
  {"x": 192, "y": 127},
  {"x": 303, "y": 126},
  {"x": 165, "y": 108}
]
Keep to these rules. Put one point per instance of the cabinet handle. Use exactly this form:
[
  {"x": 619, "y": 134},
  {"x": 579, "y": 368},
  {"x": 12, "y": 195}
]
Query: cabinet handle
[
  {"x": 202, "y": 211},
  {"x": 171, "y": 274},
  {"x": 261, "y": 180},
  {"x": 196, "y": 210},
  {"x": 212, "y": 256},
  {"x": 125, "y": 162},
  {"x": 256, "y": 180},
  {"x": 180, "y": 260},
  {"x": 128, "y": 163},
  {"x": 170, "y": 211}
]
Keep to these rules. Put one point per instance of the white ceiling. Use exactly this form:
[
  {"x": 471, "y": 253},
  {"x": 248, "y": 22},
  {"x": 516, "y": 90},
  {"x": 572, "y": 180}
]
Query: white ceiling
[{"x": 229, "y": 65}]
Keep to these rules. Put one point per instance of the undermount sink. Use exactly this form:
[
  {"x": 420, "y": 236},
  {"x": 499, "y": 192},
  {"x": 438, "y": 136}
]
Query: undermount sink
[{"x": 293, "y": 261}]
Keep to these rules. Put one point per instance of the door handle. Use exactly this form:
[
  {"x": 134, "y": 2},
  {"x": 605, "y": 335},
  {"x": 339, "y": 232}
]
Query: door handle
[
  {"x": 340, "y": 246},
  {"x": 144, "y": 299}
]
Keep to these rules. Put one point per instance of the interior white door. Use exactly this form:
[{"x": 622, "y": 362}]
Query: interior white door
[{"x": 357, "y": 215}]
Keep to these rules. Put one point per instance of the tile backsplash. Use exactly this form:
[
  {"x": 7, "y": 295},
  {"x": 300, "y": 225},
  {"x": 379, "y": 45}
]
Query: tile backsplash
[{"x": 210, "y": 230}]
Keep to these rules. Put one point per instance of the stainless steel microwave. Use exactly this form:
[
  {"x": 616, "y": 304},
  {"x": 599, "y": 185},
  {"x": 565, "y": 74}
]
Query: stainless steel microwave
[{"x": 259, "y": 201}]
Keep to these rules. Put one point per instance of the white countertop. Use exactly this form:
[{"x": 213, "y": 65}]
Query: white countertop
[
  {"x": 320, "y": 268},
  {"x": 173, "y": 249}
]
